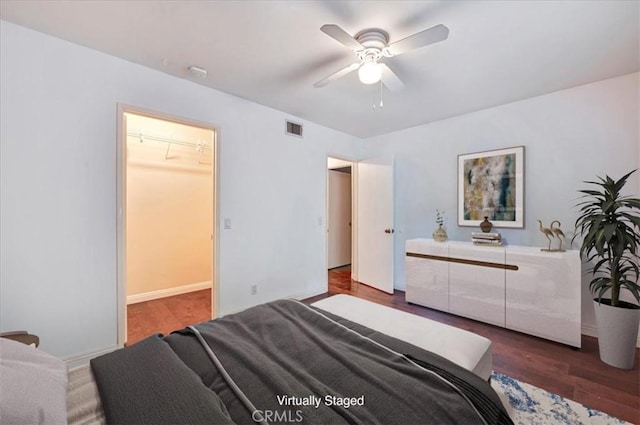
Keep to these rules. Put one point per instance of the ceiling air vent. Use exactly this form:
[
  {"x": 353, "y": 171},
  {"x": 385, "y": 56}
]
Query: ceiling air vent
[{"x": 293, "y": 129}]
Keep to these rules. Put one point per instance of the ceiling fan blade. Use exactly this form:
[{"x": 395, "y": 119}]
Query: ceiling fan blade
[
  {"x": 344, "y": 71},
  {"x": 389, "y": 79},
  {"x": 341, "y": 36},
  {"x": 420, "y": 39}
]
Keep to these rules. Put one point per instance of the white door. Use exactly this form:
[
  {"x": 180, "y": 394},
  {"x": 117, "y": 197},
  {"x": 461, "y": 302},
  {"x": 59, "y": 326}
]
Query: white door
[
  {"x": 375, "y": 233},
  {"x": 339, "y": 219}
]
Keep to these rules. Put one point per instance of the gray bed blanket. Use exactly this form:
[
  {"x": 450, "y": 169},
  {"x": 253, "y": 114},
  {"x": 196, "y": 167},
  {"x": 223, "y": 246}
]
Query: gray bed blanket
[{"x": 294, "y": 364}]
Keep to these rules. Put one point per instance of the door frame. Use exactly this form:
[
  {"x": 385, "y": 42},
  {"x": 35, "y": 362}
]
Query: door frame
[
  {"x": 121, "y": 169},
  {"x": 354, "y": 215}
]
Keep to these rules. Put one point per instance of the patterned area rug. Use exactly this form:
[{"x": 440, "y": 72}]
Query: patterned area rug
[{"x": 534, "y": 406}]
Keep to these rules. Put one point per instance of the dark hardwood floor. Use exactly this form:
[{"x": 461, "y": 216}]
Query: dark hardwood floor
[
  {"x": 167, "y": 314},
  {"x": 575, "y": 374}
]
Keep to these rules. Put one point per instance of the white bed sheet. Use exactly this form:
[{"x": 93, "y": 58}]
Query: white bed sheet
[
  {"x": 83, "y": 400},
  {"x": 464, "y": 348}
]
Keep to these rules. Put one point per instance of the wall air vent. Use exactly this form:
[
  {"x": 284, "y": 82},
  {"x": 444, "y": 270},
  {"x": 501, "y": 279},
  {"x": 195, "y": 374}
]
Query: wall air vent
[{"x": 293, "y": 128}]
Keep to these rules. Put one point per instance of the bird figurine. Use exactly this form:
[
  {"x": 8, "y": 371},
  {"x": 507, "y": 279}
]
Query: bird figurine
[
  {"x": 557, "y": 232},
  {"x": 548, "y": 233}
]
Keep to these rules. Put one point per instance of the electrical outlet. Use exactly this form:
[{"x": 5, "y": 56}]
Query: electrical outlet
[{"x": 254, "y": 289}]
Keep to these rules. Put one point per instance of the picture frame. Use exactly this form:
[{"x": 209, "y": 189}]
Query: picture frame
[{"x": 491, "y": 184}]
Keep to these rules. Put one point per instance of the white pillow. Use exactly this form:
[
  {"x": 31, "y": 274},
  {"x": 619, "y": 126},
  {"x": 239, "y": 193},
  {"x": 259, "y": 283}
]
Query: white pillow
[{"x": 33, "y": 385}]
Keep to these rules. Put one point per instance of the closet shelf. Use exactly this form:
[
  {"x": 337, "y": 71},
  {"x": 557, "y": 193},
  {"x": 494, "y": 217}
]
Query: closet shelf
[{"x": 142, "y": 137}]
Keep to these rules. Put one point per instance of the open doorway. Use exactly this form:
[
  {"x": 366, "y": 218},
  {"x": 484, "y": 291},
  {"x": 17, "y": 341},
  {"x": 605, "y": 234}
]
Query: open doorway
[
  {"x": 371, "y": 223},
  {"x": 339, "y": 215},
  {"x": 167, "y": 224}
]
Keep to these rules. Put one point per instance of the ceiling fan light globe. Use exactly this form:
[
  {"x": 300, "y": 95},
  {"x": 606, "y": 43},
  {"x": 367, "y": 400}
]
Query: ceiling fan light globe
[{"x": 369, "y": 73}]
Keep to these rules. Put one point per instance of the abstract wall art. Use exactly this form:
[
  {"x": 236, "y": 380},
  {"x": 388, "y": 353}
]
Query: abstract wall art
[{"x": 491, "y": 184}]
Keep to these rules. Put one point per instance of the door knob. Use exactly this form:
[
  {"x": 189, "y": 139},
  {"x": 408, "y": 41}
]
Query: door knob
[{"x": 388, "y": 230}]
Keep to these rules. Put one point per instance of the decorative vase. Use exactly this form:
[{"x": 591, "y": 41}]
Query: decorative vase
[
  {"x": 486, "y": 225},
  {"x": 617, "y": 332},
  {"x": 440, "y": 235}
]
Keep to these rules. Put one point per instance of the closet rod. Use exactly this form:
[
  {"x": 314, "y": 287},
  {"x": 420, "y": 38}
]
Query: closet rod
[{"x": 142, "y": 137}]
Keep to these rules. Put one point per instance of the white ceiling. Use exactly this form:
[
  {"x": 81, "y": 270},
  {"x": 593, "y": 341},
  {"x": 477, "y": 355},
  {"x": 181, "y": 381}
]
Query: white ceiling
[{"x": 271, "y": 52}]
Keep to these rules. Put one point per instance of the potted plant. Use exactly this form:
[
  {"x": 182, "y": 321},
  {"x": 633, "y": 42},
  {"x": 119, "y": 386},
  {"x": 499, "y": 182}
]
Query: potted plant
[{"x": 610, "y": 226}]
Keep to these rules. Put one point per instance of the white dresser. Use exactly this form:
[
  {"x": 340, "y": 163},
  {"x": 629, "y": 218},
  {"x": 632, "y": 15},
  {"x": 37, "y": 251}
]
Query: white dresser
[{"x": 516, "y": 287}]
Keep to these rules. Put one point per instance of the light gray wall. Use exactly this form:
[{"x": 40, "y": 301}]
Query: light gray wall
[
  {"x": 58, "y": 180},
  {"x": 569, "y": 136},
  {"x": 58, "y": 189}
]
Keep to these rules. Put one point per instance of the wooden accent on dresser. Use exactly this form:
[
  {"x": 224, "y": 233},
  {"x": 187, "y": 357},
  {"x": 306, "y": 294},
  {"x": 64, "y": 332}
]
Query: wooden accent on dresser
[{"x": 463, "y": 261}]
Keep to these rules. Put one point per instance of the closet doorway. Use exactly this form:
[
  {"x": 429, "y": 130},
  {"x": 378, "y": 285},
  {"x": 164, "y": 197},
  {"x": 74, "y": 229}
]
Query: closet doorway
[{"x": 167, "y": 218}]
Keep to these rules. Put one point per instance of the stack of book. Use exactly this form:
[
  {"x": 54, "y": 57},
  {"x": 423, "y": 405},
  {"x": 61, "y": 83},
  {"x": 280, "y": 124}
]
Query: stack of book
[{"x": 479, "y": 238}]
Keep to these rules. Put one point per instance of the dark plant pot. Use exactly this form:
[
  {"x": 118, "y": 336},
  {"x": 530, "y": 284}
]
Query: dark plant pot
[{"x": 617, "y": 332}]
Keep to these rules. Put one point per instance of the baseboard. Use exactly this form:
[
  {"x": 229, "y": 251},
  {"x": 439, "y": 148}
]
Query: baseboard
[
  {"x": 168, "y": 292},
  {"x": 590, "y": 330},
  {"x": 80, "y": 359},
  {"x": 305, "y": 295}
]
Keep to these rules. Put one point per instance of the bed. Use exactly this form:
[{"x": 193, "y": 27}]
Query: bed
[
  {"x": 284, "y": 362},
  {"x": 466, "y": 349}
]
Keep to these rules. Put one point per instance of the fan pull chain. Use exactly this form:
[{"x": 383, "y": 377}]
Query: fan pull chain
[{"x": 373, "y": 103}]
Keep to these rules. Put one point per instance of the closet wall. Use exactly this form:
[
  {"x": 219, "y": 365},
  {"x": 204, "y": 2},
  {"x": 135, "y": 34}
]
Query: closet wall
[
  {"x": 339, "y": 213},
  {"x": 169, "y": 208},
  {"x": 339, "y": 218}
]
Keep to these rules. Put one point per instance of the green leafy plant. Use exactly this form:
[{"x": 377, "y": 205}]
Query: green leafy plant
[
  {"x": 610, "y": 226},
  {"x": 439, "y": 217}
]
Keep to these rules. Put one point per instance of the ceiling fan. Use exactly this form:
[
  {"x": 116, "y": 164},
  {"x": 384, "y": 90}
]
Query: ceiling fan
[{"x": 371, "y": 46}]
